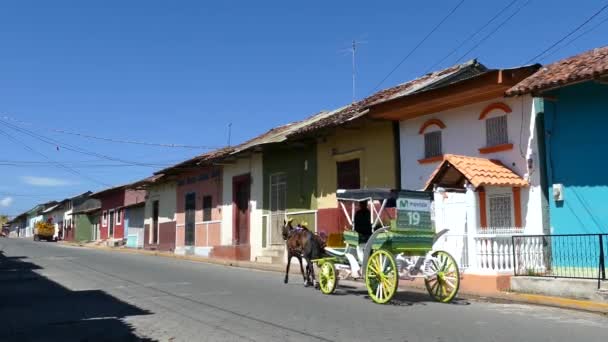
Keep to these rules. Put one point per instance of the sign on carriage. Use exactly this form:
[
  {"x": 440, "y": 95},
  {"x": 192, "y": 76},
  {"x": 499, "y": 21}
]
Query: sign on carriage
[{"x": 414, "y": 214}]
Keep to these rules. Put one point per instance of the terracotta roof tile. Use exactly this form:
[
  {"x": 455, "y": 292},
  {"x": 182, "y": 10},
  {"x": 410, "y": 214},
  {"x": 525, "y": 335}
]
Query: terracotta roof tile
[
  {"x": 479, "y": 172},
  {"x": 585, "y": 66}
]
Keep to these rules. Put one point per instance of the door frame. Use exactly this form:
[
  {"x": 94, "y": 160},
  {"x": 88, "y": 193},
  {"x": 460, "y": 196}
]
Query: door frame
[
  {"x": 111, "y": 223},
  {"x": 236, "y": 180}
]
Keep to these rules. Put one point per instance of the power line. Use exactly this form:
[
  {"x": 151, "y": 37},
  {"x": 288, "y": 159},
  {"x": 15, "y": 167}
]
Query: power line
[
  {"x": 575, "y": 38},
  {"x": 470, "y": 37},
  {"x": 27, "y": 147},
  {"x": 569, "y": 34},
  {"x": 493, "y": 31},
  {"x": 68, "y": 147},
  {"x": 417, "y": 45},
  {"x": 113, "y": 140}
]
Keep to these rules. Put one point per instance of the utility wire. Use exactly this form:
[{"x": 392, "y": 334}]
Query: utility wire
[
  {"x": 418, "y": 45},
  {"x": 113, "y": 140},
  {"x": 470, "y": 37},
  {"x": 60, "y": 165},
  {"x": 68, "y": 147},
  {"x": 493, "y": 31},
  {"x": 575, "y": 38},
  {"x": 569, "y": 34}
]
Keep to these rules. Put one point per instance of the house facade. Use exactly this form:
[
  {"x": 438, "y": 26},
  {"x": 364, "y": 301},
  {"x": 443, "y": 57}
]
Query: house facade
[
  {"x": 134, "y": 225},
  {"x": 199, "y": 201},
  {"x": 86, "y": 220},
  {"x": 570, "y": 100},
  {"x": 160, "y": 214},
  {"x": 113, "y": 202},
  {"x": 460, "y": 136}
]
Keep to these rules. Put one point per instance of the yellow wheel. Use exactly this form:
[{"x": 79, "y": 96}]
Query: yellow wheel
[
  {"x": 381, "y": 276},
  {"x": 327, "y": 278},
  {"x": 444, "y": 284}
]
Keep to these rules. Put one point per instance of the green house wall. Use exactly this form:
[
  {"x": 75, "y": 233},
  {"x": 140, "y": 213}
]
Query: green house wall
[
  {"x": 84, "y": 227},
  {"x": 300, "y": 166}
]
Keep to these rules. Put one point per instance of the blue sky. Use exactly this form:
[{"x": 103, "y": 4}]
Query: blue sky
[{"x": 181, "y": 71}]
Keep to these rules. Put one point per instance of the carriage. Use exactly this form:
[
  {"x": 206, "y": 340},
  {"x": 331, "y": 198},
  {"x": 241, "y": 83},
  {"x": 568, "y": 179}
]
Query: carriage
[{"x": 400, "y": 247}]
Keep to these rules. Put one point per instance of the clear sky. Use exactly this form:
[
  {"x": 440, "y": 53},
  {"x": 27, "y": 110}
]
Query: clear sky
[{"x": 180, "y": 71}]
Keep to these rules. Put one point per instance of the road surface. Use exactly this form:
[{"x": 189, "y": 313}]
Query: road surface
[{"x": 52, "y": 292}]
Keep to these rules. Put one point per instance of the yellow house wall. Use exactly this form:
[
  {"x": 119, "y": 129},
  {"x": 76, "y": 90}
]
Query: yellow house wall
[{"x": 372, "y": 143}]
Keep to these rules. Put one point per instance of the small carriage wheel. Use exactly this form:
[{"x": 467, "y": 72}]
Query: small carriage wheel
[
  {"x": 327, "y": 278},
  {"x": 381, "y": 276},
  {"x": 443, "y": 285}
]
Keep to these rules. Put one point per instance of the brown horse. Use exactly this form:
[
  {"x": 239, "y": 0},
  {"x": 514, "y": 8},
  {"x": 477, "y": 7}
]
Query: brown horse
[{"x": 302, "y": 243}]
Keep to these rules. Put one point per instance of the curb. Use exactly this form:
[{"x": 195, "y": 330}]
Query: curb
[{"x": 510, "y": 297}]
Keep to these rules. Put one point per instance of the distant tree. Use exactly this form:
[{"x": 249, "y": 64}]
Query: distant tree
[{"x": 3, "y": 219}]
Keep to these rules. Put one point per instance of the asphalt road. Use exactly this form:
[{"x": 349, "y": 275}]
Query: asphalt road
[{"x": 51, "y": 292}]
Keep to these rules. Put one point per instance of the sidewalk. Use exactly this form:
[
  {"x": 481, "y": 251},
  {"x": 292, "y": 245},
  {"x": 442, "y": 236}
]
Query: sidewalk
[{"x": 506, "y": 297}]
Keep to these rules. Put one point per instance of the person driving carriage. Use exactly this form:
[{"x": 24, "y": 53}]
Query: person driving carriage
[{"x": 363, "y": 222}]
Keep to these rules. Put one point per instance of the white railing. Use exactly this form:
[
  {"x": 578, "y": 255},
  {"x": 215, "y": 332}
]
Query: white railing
[
  {"x": 494, "y": 249},
  {"x": 530, "y": 254}
]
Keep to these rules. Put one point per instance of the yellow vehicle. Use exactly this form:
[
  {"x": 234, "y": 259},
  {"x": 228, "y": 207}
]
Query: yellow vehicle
[{"x": 44, "y": 231}]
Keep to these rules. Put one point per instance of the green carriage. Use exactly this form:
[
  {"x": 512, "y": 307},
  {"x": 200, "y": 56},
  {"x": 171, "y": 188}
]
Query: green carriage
[{"x": 400, "y": 248}]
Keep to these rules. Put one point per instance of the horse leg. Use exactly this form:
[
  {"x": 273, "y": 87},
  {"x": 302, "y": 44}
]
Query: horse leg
[
  {"x": 287, "y": 270},
  {"x": 302, "y": 269}
]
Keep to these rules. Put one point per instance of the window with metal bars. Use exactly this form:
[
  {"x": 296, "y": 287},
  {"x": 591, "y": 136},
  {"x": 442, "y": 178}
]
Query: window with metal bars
[
  {"x": 432, "y": 144},
  {"x": 500, "y": 211},
  {"x": 496, "y": 131},
  {"x": 278, "y": 192}
]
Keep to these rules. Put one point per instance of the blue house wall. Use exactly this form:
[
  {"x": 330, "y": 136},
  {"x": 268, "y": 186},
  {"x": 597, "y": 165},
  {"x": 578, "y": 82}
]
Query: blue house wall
[{"x": 576, "y": 141}]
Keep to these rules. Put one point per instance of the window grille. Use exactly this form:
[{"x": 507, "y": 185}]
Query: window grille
[
  {"x": 496, "y": 131},
  {"x": 500, "y": 211},
  {"x": 432, "y": 144}
]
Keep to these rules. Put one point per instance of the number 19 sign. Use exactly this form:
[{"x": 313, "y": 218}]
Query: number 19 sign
[{"x": 414, "y": 214}]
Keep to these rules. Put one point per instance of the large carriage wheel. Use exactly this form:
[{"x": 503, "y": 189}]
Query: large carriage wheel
[
  {"x": 327, "y": 278},
  {"x": 381, "y": 276},
  {"x": 444, "y": 284}
]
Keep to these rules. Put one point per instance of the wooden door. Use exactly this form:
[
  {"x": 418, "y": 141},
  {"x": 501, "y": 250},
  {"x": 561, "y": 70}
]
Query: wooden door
[
  {"x": 111, "y": 233},
  {"x": 190, "y": 218},
  {"x": 155, "y": 214},
  {"x": 241, "y": 195}
]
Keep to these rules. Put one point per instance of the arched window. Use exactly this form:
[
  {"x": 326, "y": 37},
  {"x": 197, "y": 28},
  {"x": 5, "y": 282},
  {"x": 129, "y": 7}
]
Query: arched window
[
  {"x": 497, "y": 133},
  {"x": 433, "y": 149}
]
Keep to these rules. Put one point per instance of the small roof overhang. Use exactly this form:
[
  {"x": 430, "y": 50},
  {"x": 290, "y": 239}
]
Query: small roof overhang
[
  {"x": 482, "y": 87},
  {"x": 456, "y": 170}
]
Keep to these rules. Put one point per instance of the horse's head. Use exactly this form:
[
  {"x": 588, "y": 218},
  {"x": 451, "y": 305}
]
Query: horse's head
[{"x": 287, "y": 228}]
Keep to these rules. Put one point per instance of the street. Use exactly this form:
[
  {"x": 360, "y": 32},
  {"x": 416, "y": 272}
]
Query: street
[{"x": 53, "y": 292}]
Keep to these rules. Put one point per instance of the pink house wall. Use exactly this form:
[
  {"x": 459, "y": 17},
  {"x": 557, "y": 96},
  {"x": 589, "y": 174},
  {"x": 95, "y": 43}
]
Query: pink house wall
[
  {"x": 111, "y": 201},
  {"x": 205, "y": 181}
]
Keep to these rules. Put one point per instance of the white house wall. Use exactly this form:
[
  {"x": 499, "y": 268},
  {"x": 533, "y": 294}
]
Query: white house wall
[
  {"x": 165, "y": 194},
  {"x": 251, "y": 165},
  {"x": 464, "y": 134}
]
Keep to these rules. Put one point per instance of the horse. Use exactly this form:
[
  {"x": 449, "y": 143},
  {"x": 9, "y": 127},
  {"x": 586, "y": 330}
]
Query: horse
[{"x": 302, "y": 243}]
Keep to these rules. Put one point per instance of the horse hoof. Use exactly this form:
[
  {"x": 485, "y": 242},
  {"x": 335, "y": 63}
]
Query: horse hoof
[{"x": 285, "y": 280}]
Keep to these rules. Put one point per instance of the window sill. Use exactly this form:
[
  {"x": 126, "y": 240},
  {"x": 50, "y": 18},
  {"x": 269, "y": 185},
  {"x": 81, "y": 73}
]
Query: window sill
[
  {"x": 496, "y": 148},
  {"x": 431, "y": 160}
]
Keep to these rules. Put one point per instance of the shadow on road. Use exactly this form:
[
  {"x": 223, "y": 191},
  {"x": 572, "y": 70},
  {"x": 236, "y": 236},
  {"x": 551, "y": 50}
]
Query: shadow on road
[
  {"x": 34, "y": 308},
  {"x": 401, "y": 298}
]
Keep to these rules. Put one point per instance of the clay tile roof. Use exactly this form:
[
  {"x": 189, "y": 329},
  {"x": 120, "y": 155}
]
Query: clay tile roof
[
  {"x": 478, "y": 171},
  {"x": 585, "y": 66}
]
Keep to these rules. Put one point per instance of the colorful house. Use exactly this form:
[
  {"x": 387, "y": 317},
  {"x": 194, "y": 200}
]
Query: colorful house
[
  {"x": 461, "y": 137},
  {"x": 113, "y": 202},
  {"x": 159, "y": 213},
  {"x": 571, "y": 103},
  {"x": 198, "y": 203},
  {"x": 17, "y": 225},
  {"x": 86, "y": 220},
  {"x": 34, "y": 216}
]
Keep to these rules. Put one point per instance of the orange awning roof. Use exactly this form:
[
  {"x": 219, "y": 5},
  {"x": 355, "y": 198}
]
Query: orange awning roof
[{"x": 478, "y": 171}]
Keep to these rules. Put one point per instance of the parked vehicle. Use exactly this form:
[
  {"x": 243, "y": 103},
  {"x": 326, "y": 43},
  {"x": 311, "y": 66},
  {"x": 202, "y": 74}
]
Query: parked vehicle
[{"x": 44, "y": 231}]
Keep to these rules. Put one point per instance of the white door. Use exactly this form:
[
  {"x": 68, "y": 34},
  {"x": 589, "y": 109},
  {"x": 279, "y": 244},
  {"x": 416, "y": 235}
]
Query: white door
[{"x": 451, "y": 213}]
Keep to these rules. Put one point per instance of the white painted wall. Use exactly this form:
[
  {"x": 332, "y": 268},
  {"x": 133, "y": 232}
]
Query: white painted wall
[
  {"x": 253, "y": 166},
  {"x": 166, "y": 195},
  {"x": 465, "y": 134}
]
